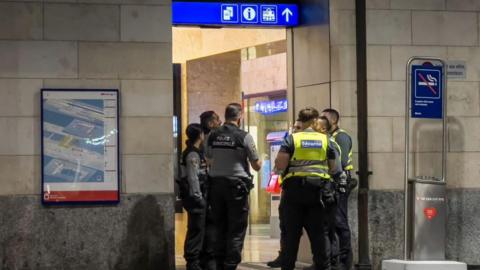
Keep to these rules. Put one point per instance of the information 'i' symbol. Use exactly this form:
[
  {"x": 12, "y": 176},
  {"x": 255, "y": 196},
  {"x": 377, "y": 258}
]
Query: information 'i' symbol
[{"x": 249, "y": 14}]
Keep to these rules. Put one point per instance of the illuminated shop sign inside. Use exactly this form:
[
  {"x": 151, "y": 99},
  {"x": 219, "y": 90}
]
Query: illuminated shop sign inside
[{"x": 271, "y": 106}]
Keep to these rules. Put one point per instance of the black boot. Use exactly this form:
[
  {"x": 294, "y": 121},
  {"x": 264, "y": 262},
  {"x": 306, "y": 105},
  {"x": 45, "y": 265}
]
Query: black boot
[
  {"x": 311, "y": 267},
  {"x": 277, "y": 263},
  {"x": 194, "y": 266}
]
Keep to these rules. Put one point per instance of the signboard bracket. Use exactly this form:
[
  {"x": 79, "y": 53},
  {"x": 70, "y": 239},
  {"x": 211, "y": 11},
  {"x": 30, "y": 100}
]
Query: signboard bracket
[{"x": 426, "y": 86}]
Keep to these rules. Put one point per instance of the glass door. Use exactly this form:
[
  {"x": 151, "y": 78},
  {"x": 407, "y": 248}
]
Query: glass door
[{"x": 264, "y": 115}]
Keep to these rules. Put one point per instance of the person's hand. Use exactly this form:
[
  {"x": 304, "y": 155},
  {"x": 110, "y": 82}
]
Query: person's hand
[
  {"x": 342, "y": 182},
  {"x": 200, "y": 202}
]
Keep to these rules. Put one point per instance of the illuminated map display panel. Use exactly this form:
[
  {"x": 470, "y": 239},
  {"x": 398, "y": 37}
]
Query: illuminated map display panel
[{"x": 80, "y": 152}]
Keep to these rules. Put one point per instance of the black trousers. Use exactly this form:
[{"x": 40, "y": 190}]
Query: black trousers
[
  {"x": 230, "y": 207},
  {"x": 301, "y": 208},
  {"x": 199, "y": 240},
  {"x": 282, "y": 226},
  {"x": 207, "y": 258},
  {"x": 195, "y": 232},
  {"x": 340, "y": 235}
]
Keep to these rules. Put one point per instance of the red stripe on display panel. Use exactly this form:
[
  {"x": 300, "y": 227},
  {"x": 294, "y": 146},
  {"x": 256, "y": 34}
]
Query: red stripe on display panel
[{"x": 81, "y": 196}]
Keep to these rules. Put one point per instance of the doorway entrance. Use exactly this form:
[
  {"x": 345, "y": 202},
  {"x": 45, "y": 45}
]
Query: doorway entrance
[{"x": 214, "y": 68}]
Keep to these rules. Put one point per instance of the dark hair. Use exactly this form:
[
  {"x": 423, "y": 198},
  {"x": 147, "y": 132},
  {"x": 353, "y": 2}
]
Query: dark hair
[
  {"x": 308, "y": 114},
  {"x": 329, "y": 126},
  {"x": 194, "y": 131},
  {"x": 334, "y": 114},
  {"x": 205, "y": 119},
  {"x": 233, "y": 112}
]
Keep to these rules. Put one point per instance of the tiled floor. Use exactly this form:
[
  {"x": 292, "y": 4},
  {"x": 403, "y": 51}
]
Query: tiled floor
[
  {"x": 259, "y": 248},
  {"x": 257, "y": 251}
]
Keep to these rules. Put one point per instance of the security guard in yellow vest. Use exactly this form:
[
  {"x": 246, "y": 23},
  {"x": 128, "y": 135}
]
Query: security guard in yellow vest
[
  {"x": 342, "y": 249},
  {"x": 306, "y": 159}
]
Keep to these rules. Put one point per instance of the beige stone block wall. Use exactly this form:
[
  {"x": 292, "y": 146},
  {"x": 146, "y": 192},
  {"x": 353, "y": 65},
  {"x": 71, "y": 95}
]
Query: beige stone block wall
[
  {"x": 99, "y": 44},
  {"x": 38, "y": 59},
  {"x": 379, "y": 66},
  {"x": 413, "y": 4},
  {"x": 344, "y": 97},
  {"x": 147, "y": 98},
  {"x": 20, "y": 97},
  {"x": 386, "y": 98},
  {"x": 81, "y": 22},
  {"x": 343, "y": 65},
  {"x": 342, "y": 27},
  {"x": 378, "y": 4},
  {"x": 194, "y": 42},
  {"x": 21, "y": 21},
  {"x": 389, "y": 27},
  {"x": 81, "y": 83},
  {"x": 445, "y": 28},
  {"x": 463, "y": 98},
  {"x": 212, "y": 83},
  {"x": 317, "y": 96},
  {"x": 380, "y": 137},
  {"x": 264, "y": 74},
  {"x": 125, "y": 60},
  {"x": 471, "y": 55},
  {"x": 386, "y": 176},
  {"x": 468, "y": 5},
  {"x": 146, "y": 23},
  {"x": 398, "y": 30},
  {"x": 147, "y": 172},
  {"x": 311, "y": 52}
]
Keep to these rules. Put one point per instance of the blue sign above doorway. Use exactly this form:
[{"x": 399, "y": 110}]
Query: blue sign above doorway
[{"x": 234, "y": 14}]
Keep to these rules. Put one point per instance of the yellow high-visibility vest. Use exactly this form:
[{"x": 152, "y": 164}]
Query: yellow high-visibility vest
[
  {"x": 309, "y": 157},
  {"x": 349, "y": 164}
]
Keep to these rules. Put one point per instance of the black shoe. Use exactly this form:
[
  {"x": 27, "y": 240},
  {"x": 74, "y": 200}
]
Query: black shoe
[
  {"x": 311, "y": 267},
  {"x": 194, "y": 266},
  {"x": 341, "y": 266},
  {"x": 277, "y": 263}
]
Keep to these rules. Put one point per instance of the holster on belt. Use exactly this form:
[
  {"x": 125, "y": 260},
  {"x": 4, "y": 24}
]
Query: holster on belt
[
  {"x": 241, "y": 185},
  {"x": 326, "y": 190},
  {"x": 317, "y": 182}
]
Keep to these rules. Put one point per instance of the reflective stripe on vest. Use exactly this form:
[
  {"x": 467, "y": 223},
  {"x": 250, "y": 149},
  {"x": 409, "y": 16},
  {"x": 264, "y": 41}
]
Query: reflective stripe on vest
[
  {"x": 349, "y": 164},
  {"x": 310, "y": 156}
]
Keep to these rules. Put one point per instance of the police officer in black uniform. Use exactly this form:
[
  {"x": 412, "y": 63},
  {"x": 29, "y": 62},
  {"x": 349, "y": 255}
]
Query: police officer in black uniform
[
  {"x": 342, "y": 249},
  {"x": 277, "y": 262},
  {"x": 193, "y": 192},
  {"x": 209, "y": 120},
  {"x": 307, "y": 159},
  {"x": 229, "y": 151}
]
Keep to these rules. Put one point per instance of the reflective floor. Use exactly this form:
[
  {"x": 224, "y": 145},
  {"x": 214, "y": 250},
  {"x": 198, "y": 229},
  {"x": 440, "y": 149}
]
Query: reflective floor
[{"x": 259, "y": 248}]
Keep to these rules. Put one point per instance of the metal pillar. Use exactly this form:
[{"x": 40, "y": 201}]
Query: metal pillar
[{"x": 362, "y": 114}]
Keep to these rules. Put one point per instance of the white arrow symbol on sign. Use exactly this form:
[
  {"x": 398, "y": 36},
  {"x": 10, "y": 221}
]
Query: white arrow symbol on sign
[{"x": 287, "y": 13}]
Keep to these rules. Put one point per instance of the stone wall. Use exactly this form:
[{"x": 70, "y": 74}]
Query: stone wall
[
  {"x": 195, "y": 42},
  {"x": 212, "y": 83},
  {"x": 123, "y": 44},
  {"x": 264, "y": 74},
  {"x": 396, "y": 31}
]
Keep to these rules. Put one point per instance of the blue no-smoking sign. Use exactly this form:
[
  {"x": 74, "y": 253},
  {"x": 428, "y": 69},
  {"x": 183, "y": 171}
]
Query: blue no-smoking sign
[{"x": 427, "y": 92}]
